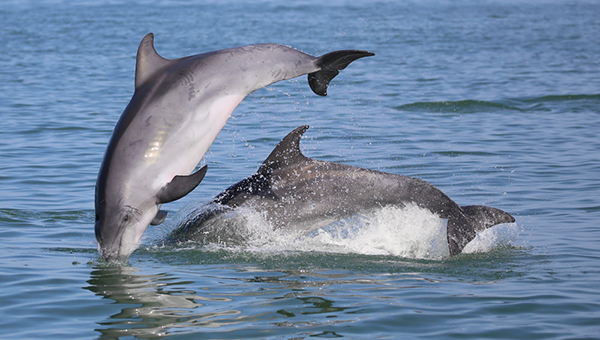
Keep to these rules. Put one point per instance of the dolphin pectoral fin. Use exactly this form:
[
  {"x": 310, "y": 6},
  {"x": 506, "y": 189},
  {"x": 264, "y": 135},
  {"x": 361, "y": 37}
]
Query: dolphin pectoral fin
[
  {"x": 331, "y": 64},
  {"x": 160, "y": 217},
  {"x": 181, "y": 186}
]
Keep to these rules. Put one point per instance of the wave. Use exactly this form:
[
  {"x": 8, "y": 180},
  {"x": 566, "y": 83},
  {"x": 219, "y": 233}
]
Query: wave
[
  {"x": 44, "y": 217},
  {"x": 461, "y": 106},
  {"x": 574, "y": 102}
]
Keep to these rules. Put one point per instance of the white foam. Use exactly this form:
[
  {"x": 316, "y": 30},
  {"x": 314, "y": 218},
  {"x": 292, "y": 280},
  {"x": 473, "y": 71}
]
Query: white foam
[
  {"x": 499, "y": 235},
  {"x": 410, "y": 232}
]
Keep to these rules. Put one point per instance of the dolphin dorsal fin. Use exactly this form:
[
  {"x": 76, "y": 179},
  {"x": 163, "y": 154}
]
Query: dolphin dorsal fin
[
  {"x": 148, "y": 61},
  {"x": 287, "y": 152}
]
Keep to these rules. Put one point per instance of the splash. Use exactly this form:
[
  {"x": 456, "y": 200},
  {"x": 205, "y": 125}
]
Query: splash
[
  {"x": 409, "y": 232},
  {"x": 494, "y": 237}
]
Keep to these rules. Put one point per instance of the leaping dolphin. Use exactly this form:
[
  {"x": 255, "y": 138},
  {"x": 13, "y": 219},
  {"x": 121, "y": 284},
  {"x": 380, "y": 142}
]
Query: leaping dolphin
[
  {"x": 177, "y": 110},
  {"x": 293, "y": 191}
]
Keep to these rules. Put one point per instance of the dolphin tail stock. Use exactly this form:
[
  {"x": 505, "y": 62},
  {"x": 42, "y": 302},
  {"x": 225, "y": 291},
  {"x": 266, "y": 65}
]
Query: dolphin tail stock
[
  {"x": 462, "y": 230},
  {"x": 330, "y": 65}
]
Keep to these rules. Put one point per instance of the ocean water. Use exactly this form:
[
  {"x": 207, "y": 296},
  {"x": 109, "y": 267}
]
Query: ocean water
[{"x": 494, "y": 102}]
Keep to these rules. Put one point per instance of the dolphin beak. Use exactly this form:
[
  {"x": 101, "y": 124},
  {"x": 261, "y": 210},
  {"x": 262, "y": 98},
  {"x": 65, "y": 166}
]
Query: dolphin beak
[{"x": 116, "y": 245}]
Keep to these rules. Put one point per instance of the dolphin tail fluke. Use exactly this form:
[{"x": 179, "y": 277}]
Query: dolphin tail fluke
[
  {"x": 330, "y": 65},
  {"x": 476, "y": 218},
  {"x": 486, "y": 217}
]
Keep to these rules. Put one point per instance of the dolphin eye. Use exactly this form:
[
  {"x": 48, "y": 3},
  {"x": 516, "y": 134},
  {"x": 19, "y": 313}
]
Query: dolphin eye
[{"x": 130, "y": 214}]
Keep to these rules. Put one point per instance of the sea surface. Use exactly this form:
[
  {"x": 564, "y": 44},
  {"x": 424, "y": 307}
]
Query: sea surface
[{"x": 495, "y": 102}]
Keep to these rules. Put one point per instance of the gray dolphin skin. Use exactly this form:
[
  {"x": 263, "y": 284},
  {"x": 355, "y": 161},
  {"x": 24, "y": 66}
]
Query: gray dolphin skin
[
  {"x": 293, "y": 191},
  {"x": 177, "y": 110}
]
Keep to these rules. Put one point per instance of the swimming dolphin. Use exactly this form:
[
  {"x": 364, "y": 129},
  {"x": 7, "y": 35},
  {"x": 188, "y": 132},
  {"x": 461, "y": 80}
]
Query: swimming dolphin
[
  {"x": 294, "y": 191},
  {"x": 177, "y": 110}
]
